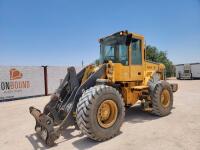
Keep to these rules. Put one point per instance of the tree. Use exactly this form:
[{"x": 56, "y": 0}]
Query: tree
[{"x": 155, "y": 55}]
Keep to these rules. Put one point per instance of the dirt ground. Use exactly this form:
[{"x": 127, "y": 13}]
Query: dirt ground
[{"x": 141, "y": 131}]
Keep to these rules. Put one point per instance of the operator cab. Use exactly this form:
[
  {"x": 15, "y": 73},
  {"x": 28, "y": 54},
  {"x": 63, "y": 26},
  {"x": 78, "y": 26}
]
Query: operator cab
[{"x": 115, "y": 48}]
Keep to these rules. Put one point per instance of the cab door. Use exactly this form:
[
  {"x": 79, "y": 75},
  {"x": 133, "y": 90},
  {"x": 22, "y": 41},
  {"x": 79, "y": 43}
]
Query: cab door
[
  {"x": 122, "y": 69},
  {"x": 136, "y": 59}
]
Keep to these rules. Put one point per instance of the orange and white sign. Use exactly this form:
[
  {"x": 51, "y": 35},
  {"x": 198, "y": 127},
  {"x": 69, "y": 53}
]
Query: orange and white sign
[
  {"x": 15, "y": 74},
  {"x": 17, "y": 82}
]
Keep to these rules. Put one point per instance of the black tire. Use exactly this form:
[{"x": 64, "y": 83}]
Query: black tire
[
  {"x": 157, "y": 108},
  {"x": 87, "y": 109}
]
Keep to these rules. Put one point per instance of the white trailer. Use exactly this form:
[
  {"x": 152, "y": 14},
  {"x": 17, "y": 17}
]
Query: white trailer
[
  {"x": 179, "y": 70},
  {"x": 195, "y": 70},
  {"x": 188, "y": 71}
]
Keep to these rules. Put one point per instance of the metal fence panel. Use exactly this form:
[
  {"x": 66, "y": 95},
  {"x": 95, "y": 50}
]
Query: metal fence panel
[{"x": 55, "y": 75}]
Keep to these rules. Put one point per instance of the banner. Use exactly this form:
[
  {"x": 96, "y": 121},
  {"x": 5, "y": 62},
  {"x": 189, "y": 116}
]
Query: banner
[{"x": 17, "y": 82}]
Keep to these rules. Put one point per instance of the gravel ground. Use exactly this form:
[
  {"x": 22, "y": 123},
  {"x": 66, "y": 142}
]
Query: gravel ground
[{"x": 178, "y": 131}]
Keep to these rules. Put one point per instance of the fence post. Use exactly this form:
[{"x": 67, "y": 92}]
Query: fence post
[{"x": 45, "y": 80}]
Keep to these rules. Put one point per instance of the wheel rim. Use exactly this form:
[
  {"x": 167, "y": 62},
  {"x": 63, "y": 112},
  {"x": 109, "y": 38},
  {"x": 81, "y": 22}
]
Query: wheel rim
[
  {"x": 165, "y": 98},
  {"x": 107, "y": 113}
]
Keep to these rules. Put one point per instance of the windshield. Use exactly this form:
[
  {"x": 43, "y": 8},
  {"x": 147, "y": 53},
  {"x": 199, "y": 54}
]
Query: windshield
[{"x": 117, "y": 53}]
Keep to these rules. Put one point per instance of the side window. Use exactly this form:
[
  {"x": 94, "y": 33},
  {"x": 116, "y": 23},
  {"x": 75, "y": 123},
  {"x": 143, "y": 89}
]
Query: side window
[
  {"x": 109, "y": 53},
  {"x": 136, "y": 52},
  {"x": 123, "y": 54}
]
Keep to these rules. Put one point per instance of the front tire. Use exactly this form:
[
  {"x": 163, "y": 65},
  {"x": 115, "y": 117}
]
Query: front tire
[{"x": 100, "y": 112}]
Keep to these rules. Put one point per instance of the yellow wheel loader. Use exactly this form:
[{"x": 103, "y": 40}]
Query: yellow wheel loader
[{"x": 94, "y": 99}]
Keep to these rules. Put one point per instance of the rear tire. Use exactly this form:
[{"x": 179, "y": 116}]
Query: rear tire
[
  {"x": 88, "y": 112},
  {"x": 162, "y": 99}
]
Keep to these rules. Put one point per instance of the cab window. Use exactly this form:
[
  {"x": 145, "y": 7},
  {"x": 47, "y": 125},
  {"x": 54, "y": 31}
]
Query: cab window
[
  {"x": 136, "y": 58},
  {"x": 117, "y": 53},
  {"x": 123, "y": 54}
]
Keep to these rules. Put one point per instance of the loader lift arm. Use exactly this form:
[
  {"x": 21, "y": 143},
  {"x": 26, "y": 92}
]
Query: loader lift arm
[{"x": 58, "y": 113}]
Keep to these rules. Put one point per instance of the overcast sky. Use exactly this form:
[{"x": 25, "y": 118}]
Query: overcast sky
[{"x": 65, "y": 32}]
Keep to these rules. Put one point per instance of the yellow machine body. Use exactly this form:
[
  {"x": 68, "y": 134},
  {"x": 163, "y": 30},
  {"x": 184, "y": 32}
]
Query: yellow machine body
[
  {"x": 135, "y": 78},
  {"x": 93, "y": 99},
  {"x": 132, "y": 78}
]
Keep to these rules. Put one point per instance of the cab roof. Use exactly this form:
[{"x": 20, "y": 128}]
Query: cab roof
[{"x": 123, "y": 33}]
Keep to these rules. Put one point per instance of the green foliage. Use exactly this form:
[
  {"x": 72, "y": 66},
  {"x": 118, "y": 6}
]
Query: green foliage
[{"x": 155, "y": 55}]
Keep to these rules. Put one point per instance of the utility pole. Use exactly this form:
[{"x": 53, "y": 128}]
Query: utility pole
[{"x": 82, "y": 63}]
